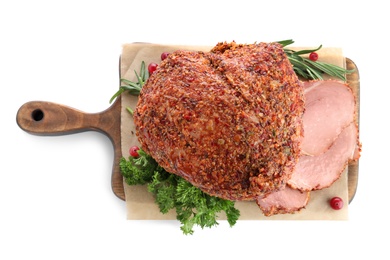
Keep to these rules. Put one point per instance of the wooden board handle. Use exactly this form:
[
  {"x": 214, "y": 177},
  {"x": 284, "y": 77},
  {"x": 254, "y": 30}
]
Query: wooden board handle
[{"x": 47, "y": 118}]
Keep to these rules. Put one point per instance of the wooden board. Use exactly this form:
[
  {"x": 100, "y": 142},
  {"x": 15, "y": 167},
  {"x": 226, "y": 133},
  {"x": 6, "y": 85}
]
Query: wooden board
[
  {"x": 47, "y": 118},
  {"x": 353, "y": 80}
]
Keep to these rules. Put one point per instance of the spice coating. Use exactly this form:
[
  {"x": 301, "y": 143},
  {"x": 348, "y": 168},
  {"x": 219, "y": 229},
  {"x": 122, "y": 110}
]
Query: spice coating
[{"x": 229, "y": 121}]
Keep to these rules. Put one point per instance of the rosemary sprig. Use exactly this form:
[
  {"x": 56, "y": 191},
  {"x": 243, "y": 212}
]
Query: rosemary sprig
[
  {"x": 309, "y": 69},
  {"x": 302, "y": 66},
  {"x": 133, "y": 88}
]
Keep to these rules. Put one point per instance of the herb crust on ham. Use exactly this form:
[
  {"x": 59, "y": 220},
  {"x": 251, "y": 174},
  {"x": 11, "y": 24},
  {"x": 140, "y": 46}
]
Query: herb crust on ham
[
  {"x": 237, "y": 123},
  {"x": 229, "y": 121}
]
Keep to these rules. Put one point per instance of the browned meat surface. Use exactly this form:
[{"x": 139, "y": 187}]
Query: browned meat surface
[
  {"x": 330, "y": 107},
  {"x": 229, "y": 121},
  {"x": 284, "y": 201}
]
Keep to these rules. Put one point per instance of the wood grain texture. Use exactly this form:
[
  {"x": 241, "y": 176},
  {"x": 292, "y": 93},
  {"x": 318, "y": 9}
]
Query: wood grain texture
[
  {"x": 46, "y": 118},
  {"x": 353, "y": 80}
]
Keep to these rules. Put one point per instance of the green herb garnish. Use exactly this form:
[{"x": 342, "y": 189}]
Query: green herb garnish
[
  {"x": 133, "y": 88},
  {"x": 172, "y": 192},
  {"x": 193, "y": 206},
  {"x": 302, "y": 66},
  {"x": 309, "y": 69}
]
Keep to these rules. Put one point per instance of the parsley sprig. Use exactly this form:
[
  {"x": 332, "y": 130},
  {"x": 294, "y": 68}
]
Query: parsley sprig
[
  {"x": 193, "y": 206},
  {"x": 309, "y": 69}
]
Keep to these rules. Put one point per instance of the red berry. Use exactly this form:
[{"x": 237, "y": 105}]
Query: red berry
[
  {"x": 336, "y": 203},
  {"x": 164, "y": 55},
  {"x": 152, "y": 67},
  {"x": 313, "y": 56},
  {"x": 134, "y": 151}
]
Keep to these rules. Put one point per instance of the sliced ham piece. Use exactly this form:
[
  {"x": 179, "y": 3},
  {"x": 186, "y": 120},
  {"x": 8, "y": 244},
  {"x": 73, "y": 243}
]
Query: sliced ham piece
[
  {"x": 330, "y": 107},
  {"x": 287, "y": 200},
  {"x": 329, "y": 143},
  {"x": 318, "y": 172}
]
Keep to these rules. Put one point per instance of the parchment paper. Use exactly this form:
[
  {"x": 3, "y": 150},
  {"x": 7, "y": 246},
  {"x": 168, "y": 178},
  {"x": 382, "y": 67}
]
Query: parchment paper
[{"x": 140, "y": 203}]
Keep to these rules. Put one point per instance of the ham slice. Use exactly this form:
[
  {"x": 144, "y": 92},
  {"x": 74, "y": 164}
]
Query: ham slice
[
  {"x": 330, "y": 107},
  {"x": 329, "y": 143},
  {"x": 318, "y": 172},
  {"x": 287, "y": 200}
]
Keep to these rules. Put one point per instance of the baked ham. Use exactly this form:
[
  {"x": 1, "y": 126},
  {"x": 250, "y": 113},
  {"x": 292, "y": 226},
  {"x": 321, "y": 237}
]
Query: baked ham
[
  {"x": 229, "y": 121},
  {"x": 234, "y": 122},
  {"x": 330, "y": 107},
  {"x": 287, "y": 200},
  {"x": 333, "y": 102},
  {"x": 321, "y": 171},
  {"x": 331, "y": 135}
]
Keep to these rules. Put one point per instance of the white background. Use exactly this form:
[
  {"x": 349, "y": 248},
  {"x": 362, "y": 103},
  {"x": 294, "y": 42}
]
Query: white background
[{"x": 56, "y": 200}]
